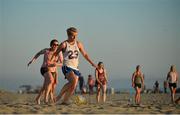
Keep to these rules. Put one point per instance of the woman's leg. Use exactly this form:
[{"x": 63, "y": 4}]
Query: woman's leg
[
  {"x": 48, "y": 85},
  {"x": 98, "y": 93},
  {"x": 139, "y": 95},
  {"x": 171, "y": 89},
  {"x": 38, "y": 98},
  {"x": 104, "y": 92},
  {"x": 173, "y": 94},
  {"x": 54, "y": 91},
  {"x": 136, "y": 95}
]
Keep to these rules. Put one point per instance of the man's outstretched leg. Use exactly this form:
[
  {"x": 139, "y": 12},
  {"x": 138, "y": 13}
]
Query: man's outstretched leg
[{"x": 69, "y": 87}]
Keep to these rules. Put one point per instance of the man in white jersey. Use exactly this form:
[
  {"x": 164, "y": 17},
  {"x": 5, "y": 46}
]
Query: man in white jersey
[
  {"x": 172, "y": 78},
  {"x": 70, "y": 49}
]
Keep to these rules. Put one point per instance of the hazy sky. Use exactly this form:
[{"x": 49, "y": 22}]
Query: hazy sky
[{"x": 121, "y": 33}]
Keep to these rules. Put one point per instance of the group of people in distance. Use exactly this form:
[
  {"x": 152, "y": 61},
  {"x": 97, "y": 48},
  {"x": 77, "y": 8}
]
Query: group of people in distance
[
  {"x": 66, "y": 56},
  {"x": 138, "y": 83}
]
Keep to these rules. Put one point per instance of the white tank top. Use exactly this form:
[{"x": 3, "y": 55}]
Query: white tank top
[
  {"x": 71, "y": 56},
  {"x": 172, "y": 77}
]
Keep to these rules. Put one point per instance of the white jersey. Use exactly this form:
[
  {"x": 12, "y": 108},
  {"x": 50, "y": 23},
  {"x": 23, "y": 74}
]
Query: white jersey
[
  {"x": 71, "y": 56},
  {"x": 172, "y": 77}
]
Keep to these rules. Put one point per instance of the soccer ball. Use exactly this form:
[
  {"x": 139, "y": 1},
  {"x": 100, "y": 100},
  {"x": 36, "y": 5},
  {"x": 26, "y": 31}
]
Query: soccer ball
[{"x": 79, "y": 99}]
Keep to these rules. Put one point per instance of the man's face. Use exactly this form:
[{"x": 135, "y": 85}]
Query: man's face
[{"x": 72, "y": 36}]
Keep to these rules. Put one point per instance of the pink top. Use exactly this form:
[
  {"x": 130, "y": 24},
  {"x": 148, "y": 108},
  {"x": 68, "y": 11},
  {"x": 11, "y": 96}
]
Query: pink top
[{"x": 48, "y": 62}]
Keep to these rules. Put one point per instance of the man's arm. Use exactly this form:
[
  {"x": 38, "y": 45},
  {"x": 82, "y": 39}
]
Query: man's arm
[
  {"x": 59, "y": 49},
  {"x": 85, "y": 55},
  {"x": 59, "y": 63}
]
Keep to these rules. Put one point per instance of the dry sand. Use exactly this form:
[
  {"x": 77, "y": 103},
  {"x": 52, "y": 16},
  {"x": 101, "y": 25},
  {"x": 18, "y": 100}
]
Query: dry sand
[{"x": 13, "y": 103}]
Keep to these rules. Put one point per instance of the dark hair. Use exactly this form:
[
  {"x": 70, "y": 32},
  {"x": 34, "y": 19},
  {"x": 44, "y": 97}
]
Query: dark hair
[
  {"x": 89, "y": 75},
  {"x": 137, "y": 67},
  {"x": 52, "y": 42},
  {"x": 70, "y": 30},
  {"x": 100, "y": 63}
]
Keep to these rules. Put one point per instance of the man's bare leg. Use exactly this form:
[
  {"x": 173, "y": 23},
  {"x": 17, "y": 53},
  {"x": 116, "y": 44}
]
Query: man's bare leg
[{"x": 73, "y": 80}]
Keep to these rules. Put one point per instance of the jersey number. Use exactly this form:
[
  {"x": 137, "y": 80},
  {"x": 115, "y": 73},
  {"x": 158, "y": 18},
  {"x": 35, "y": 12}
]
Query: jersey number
[{"x": 73, "y": 55}]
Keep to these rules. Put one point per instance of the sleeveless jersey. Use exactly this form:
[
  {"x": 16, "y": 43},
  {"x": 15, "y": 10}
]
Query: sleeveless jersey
[{"x": 71, "y": 56}]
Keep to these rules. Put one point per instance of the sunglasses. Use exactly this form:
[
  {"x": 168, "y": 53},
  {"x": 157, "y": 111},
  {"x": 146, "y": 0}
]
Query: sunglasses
[{"x": 55, "y": 44}]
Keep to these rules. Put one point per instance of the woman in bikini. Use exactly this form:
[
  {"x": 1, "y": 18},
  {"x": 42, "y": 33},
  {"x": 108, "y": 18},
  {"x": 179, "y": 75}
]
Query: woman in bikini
[
  {"x": 138, "y": 83},
  {"x": 101, "y": 81},
  {"x": 48, "y": 70}
]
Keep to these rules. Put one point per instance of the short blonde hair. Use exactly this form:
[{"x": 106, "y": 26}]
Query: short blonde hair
[{"x": 71, "y": 30}]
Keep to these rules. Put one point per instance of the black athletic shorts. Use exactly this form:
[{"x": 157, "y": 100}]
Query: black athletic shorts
[
  {"x": 43, "y": 70},
  {"x": 174, "y": 85},
  {"x": 138, "y": 85}
]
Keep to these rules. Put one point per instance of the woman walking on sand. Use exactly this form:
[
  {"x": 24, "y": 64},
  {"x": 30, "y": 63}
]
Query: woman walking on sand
[
  {"x": 48, "y": 70},
  {"x": 172, "y": 78},
  {"x": 101, "y": 81},
  {"x": 137, "y": 83}
]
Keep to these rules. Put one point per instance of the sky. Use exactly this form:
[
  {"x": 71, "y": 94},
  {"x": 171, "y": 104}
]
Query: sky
[{"x": 121, "y": 33}]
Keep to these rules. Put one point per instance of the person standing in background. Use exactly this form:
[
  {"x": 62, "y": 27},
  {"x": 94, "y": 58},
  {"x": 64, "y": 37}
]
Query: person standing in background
[
  {"x": 90, "y": 83},
  {"x": 165, "y": 86},
  {"x": 172, "y": 78},
  {"x": 101, "y": 81},
  {"x": 138, "y": 83}
]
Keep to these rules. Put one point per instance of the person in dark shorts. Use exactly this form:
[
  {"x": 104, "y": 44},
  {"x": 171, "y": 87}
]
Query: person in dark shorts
[
  {"x": 172, "y": 78},
  {"x": 48, "y": 70},
  {"x": 156, "y": 87},
  {"x": 138, "y": 83}
]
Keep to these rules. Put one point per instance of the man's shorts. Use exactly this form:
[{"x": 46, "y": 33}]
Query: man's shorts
[{"x": 66, "y": 70}]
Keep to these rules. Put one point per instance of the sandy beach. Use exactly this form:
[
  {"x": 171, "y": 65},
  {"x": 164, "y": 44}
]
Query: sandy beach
[{"x": 13, "y": 103}]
